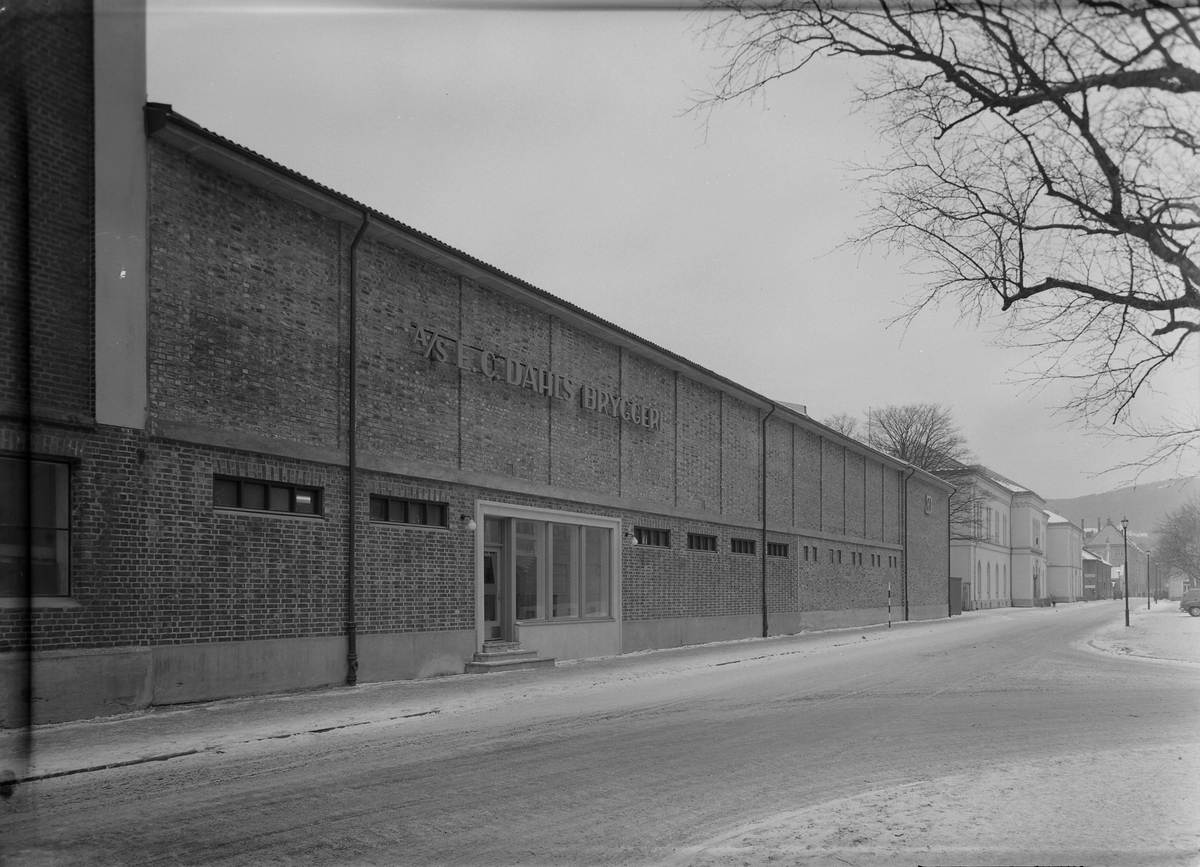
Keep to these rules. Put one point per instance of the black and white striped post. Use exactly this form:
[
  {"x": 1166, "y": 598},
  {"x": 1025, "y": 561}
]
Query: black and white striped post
[{"x": 889, "y": 605}]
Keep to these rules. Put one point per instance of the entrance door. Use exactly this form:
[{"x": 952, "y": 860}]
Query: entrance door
[{"x": 493, "y": 594}]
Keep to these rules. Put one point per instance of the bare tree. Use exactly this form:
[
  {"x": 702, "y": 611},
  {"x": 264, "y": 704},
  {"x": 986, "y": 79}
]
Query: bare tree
[
  {"x": 1044, "y": 161},
  {"x": 843, "y": 423},
  {"x": 926, "y": 436},
  {"x": 1177, "y": 547}
]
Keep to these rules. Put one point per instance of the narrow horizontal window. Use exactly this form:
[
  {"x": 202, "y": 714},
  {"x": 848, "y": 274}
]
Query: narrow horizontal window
[
  {"x": 777, "y": 549},
  {"x": 741, "y": 546},
  {"x": 701, "y": 542},
  {"x": 258, "y": 496},
  {"x": 652, "y": 537},
  {"x": 397, "y": 510}
]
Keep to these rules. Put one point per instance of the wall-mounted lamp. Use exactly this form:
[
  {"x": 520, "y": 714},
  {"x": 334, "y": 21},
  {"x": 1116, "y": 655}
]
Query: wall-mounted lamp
[
  {"x": 631, "y": 537},
  {"x": 471, "y": 525}
]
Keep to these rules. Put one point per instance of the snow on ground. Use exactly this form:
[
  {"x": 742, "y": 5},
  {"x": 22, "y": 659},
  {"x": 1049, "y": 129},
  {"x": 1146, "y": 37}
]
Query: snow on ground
[
  {"x": 999, "y": 816},
  {"x": 1163, "y": 632},
  {"x": 991, "y": 817}
]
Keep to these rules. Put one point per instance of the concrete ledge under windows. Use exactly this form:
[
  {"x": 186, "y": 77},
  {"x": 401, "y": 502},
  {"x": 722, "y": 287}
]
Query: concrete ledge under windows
[
  {"x": 577, "y": 639},
  {"x": 10, "y": 603}
]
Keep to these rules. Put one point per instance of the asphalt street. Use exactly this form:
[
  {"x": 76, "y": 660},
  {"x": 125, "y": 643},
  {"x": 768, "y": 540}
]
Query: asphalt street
[{"x": 658, "y": 758}]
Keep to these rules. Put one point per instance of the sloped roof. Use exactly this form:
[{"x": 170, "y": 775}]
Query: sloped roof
[{"x": 998, "y": 479}]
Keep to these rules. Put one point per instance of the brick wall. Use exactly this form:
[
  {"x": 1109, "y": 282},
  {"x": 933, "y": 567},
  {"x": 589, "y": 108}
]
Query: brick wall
[
  {"x": 928, "y": 544},
  {"x": 833, "y": 487},
  {"x": 46, "y": 226},
  {"x": 856, "y": 506},
  {"x": 698, "y": 468},
  {"x": 586, "y": 446},
  {"x": 648, "y": 456},
  {"x": 247, "y": 311},
  {"x": 827, "y": 584},
  {"x": 780, "y": 472},
  {"x": 741, "y": 459},
  {"x": 249, "y": 335},
  {"x": 807, "y": 482}
]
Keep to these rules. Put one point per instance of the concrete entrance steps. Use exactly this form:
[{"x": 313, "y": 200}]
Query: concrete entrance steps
[{"x": 505, "y": 656}]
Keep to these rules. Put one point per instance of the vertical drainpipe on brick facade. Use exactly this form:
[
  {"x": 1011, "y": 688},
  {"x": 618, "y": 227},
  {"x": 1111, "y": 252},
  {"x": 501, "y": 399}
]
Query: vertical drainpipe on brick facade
[
  {"x": 904, "y": 574},
  {"x": 949, "y": 588},
  {"x": 352, "y": 445},
  {"x": 12, "y": 74},
  {"x": 764, "y": 520}
]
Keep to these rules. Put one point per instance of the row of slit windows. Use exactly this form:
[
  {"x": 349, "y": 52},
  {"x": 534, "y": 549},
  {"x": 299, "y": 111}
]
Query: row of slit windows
[
  {"x": 260, "y": 496},
  {"x": 246, "y": 494},
  {"x": 653, "y": 537},
  {"x": 812, "y": 554},
  {"x": 43, "y": 517}
]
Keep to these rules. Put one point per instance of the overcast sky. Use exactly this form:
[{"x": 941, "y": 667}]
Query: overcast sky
[{"x": 555, "y": 146}]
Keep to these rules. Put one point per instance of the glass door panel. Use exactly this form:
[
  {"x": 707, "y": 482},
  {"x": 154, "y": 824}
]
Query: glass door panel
[
  {"x": 492, "y": 625},
  {"x": 527, "y": 569},
  {"x": 564, "y": 570}
]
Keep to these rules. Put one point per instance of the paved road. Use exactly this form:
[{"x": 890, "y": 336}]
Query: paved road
[{"x": 658, "y": 758}]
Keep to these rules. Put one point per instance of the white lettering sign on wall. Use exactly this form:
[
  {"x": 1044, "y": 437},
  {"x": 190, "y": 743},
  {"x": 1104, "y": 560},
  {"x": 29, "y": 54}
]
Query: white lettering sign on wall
[{"x": 541, "y": 380}]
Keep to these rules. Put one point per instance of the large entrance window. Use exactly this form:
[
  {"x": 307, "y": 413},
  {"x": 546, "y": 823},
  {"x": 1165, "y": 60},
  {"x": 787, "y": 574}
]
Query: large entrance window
[
  {"x": 562, "y": 571},
  {"x": 541, "y": 566}
]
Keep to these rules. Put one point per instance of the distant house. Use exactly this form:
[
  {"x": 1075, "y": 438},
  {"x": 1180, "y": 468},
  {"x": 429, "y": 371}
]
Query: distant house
[
  {"x": 1097, "y": 577},
  {"x": 1064, "y": 559},
  {"x": 1109, "y": 542}
]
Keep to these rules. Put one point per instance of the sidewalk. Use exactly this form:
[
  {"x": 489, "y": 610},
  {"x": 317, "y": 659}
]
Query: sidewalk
[
  {"x": 1163, "y": 632},
  {"x": 166, "y": 732}
]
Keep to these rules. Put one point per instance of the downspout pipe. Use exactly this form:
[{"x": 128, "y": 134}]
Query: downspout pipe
[
  {"x": 352, "y": 449},
  {"x": 949, "y": 583},
  {"x": 904, "y": 574},
  {"x": 766, "y": 418}
]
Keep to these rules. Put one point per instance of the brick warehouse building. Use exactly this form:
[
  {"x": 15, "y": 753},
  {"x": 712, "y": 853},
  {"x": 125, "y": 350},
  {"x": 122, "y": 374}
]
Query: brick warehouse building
[{"x": 280, "y": 440}]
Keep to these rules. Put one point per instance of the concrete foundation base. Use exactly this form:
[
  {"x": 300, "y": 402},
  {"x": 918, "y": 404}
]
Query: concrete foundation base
[
  {"x": 681, "y": 631},
  {"x": 851, "y": 617},
  {"x": 82, "y": 684},
  {"x": 926, "y": 612},
  {"x": 412, "y": 655},
  {"x": 74, "y": 684}
]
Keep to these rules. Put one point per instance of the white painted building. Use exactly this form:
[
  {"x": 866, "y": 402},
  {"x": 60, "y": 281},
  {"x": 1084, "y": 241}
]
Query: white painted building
[
  {"x": 1003, "y": 542},
  {"x": 1064, "y": 559}
]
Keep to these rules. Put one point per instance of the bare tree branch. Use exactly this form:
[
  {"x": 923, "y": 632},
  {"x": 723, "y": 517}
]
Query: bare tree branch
[{"x": 1043, "y": 164}]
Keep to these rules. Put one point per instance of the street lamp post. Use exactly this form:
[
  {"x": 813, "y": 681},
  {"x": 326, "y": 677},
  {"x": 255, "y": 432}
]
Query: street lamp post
[
  {"x": 1125, "y": 545},
  {"x": 1147, "y": 579}
]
